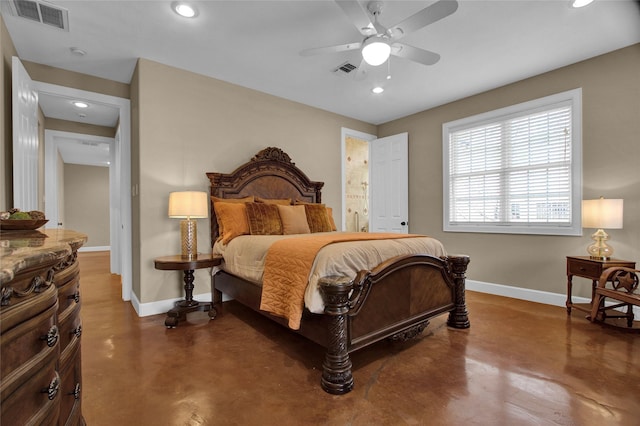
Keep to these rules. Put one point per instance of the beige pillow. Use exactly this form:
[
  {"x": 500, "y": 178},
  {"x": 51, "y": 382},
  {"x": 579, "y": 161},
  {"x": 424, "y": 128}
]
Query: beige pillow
[
  {"x": 331, "y": 221},
  {"x": 263, "y": 219},
  {"x": 294, "y": 220},
  {"x": 232, "y": 220}
]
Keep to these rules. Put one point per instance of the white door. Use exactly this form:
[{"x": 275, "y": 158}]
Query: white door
[
  {"x": 389, "y": 177},
  {"x": 25, "y": 139}
]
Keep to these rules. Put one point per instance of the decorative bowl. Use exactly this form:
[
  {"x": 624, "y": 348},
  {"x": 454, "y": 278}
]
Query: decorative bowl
[{"x": 21, "y": 224}]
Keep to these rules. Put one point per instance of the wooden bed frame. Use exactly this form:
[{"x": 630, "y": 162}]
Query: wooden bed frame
[{"x": 394, "y": 300}]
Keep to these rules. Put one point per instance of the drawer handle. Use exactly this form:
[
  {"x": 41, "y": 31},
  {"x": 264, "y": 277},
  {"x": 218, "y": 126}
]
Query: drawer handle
[
  {"x": 75, "y": 296},
  {"x": 76, "y": 391},
  {"x": 77, "y": 331},
  {"x": 53, "y": 388},
  {"x": 51, "y": 337},
  {"x": 582, "y": 269}
]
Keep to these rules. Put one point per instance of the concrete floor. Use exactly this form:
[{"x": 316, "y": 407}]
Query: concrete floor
[{"x": 520, "y": 363}]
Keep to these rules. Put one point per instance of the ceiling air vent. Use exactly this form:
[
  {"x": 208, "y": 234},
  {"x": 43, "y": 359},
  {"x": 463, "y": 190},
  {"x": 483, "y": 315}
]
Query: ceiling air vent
[
  {"x": 41, "y": 11},
  {"x": 345, "y": 68}
]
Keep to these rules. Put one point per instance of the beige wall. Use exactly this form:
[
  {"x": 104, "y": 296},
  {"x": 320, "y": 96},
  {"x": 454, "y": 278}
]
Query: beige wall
[
  {"x": 189, "y": 125},
  {"x": 611, "y": 159},
  {"x": 7, "y": 50},
  {"x": 86, "y": 202}
]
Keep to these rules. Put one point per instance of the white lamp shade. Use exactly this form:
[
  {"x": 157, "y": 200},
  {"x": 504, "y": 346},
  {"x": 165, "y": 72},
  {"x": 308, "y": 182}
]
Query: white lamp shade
[
  {"x": 189, "y": 204},
  {"x": 376, "y": 51},
  {"x": 602, "y": 213}
]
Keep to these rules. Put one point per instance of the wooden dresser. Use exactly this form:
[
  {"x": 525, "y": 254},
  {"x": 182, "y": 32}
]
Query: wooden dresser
[{"x": 40, "y": 328}]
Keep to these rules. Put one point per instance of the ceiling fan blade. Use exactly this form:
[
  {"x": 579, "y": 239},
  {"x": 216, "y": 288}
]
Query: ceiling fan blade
[
  {"x": 331, "y": 49},
  {"x": 415, "y": 54},
  {"x": 426, "y": 16},
  {"x": 357, "y": 15}
]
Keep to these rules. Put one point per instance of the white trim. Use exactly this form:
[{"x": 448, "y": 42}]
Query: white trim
[
  {"x": 95, "y": 248},
  {"x": 570, "y": 97},
  {"x": 530, "y": 295}
]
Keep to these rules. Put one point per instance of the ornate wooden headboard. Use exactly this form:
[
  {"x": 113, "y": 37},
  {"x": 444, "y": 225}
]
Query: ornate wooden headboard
[{"x": 269, "y": 174}]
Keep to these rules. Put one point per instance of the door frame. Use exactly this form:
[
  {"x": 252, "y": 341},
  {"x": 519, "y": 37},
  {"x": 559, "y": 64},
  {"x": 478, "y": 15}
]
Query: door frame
[
  {"x": 344, "y": 133},
  {"x": 120, "y": 250}
]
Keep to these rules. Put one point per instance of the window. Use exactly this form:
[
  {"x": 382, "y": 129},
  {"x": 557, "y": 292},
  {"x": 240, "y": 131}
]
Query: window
[{"x": 515, "y": 170}]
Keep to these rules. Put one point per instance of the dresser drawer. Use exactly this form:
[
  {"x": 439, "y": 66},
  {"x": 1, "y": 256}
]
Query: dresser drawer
[
  {"x": 63, "y": 276},
  {"x": 70, "y": 385},
  {"x": 30, "y": 337},
  {"x": 69, "y": 294},
  {"x": 36, "y": 401},
  {"x": 26, "y": 297},
  {"x": 70, "y": 326}
]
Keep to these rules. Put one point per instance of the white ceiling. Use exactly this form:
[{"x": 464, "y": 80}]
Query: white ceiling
[{"x": 483, "y": 45}]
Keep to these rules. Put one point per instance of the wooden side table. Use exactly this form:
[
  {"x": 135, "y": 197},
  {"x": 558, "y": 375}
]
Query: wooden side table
[
  {"x": 586, "y": 267},
  {"x": 182, "y": 307}
]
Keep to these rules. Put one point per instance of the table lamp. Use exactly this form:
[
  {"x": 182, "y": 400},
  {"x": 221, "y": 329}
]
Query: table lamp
[
  {"x": 188, "y": 205},
  {"x": 599, "y": 214}
]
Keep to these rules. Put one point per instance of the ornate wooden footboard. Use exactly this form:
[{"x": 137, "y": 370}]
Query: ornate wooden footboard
[{"x": 394, "y": 300}]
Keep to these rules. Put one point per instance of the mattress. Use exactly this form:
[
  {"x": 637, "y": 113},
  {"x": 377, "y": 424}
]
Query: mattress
[{"x": 244, "y": 257}]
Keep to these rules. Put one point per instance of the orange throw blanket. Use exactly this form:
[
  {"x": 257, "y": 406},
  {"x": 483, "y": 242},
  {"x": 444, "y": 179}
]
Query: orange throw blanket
[{"x": 287, "y": 267}]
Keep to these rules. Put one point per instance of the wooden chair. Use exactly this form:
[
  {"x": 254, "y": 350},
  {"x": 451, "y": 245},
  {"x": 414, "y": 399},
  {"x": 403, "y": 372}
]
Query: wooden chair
[{"x": 624, "y": 286}]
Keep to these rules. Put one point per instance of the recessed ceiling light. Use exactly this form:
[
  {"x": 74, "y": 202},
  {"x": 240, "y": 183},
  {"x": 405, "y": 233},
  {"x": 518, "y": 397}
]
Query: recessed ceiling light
[
  {"x": 184, "y": 9},
  {"x": 80, "y": 104},
  {"x": 377, "y": 90},
  {"x": 580, "y": 3}
]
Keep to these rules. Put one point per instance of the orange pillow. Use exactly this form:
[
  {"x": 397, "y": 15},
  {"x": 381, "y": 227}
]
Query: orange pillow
[
  {"x": 294, "y": 220},
  {"x": 232, "y": 220},
  {"x": 280, "y": 201},
  {"x": 317, "y": 218},
  {"x": 263, "y": 219}
]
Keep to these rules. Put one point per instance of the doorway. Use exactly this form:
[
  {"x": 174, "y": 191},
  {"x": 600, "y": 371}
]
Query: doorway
[{"x": 120, "y": 179}]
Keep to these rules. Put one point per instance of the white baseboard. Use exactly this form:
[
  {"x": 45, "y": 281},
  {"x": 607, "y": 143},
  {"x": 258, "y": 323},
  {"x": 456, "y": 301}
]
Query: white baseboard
[
  {"x": 530, "y": 295},
  {"x": 95, "y": 248},
  {"x": 162, "y": 306}
]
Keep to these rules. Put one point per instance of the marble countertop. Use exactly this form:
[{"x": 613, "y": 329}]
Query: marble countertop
[{"x": 21, "y": 250}]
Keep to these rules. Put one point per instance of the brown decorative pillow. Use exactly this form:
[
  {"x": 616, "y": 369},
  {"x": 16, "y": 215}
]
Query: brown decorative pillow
[
  {"x": 280, "y": 201},
  {"x": 317, "y": 218},
  {"x": 294, "y": 220},
  {"x": 232, "y": 220},
  {"x": 264, "y": 219}
]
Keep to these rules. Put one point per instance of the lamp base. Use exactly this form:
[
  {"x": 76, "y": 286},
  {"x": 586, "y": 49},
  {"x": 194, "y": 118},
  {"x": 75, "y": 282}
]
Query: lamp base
[
  {"x": 189, "y": 233},
  {"x": 600, "y": 249}
]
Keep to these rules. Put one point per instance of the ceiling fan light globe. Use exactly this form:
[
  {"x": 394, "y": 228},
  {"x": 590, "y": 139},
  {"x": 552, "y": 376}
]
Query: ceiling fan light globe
[{"x": 375, "y": 52}]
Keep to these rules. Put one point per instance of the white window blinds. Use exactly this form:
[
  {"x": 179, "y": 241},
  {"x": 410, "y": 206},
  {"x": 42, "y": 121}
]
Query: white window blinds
[{"x": 513, "y": 170}]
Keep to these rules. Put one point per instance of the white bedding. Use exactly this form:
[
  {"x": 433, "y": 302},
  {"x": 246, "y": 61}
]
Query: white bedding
[{"x": 244, "y": 257}]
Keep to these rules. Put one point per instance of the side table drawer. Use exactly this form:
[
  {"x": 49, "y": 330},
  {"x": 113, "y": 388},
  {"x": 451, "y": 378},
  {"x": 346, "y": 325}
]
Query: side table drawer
[{"x": 584, "y": 269}]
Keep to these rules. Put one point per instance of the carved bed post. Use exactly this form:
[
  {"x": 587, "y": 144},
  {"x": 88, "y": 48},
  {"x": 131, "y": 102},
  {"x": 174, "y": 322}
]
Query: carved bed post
[
  {"x": 336, "y": 369},
  {"x": 459, "y": 317}
]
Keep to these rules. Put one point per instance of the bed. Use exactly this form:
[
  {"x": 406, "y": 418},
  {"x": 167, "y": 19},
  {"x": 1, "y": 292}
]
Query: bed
[{"x": 391, "y": 300}]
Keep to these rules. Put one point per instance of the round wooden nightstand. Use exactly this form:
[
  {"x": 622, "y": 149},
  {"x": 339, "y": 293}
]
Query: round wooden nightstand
[{"x": 180, "y": 263}]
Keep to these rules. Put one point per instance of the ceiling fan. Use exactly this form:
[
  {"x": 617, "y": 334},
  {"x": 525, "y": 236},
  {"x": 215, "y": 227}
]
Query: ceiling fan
[{"x": 379, "y": 41}]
